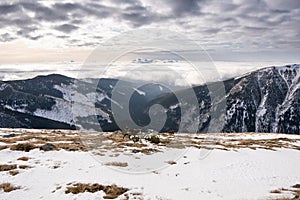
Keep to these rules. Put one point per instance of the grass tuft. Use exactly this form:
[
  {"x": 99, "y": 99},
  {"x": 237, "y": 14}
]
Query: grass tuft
[
  {"x": 13, "y": 172},
  {"x": 117, "y": 164},
  {"x": 23, "y": 158},
  {"x": 23, "y": 147},
  {"x": 7, "y": 167},
  {"x": 7, "y": 187},
  {"x": 111, "y": 191}
]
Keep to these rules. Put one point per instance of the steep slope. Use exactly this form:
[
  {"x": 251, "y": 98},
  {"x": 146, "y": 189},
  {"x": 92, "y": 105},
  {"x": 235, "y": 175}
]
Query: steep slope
[{"x": 265, "y": 100}]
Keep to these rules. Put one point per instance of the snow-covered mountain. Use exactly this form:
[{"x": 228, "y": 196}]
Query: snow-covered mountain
[
  {"x": 57, "y": 101},
  {"x": 266, "y": 100}
]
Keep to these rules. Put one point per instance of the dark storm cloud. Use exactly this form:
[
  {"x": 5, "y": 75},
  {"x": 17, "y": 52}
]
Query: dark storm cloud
[
  {"x": 62, "y": 36},
  {"x": 44, "y": 13},
  {"x": 15, "y": 16},
  {"x": 66, "y": 28},
  {"x": 88, "y": 44},
  {"x": 12, "y": 15},
  {"x": 73, "y": 14},
  {"x": 254, "y": 28},
  {"x": 188, "y": 7},
  {"x": 66, "y": 7},
  {"x": 7, "y": 8},
  {"x": 286, "y": 5},
  {"x": 213, "y": 30},
  {"x": 6, "y": 37},
  {"x": 76, "y": 21},
  {"x": 253, "y": 21},
  {"x": 29, "y": 32},
  {"x": 84, "y": 10},
  {"x": 25, "y": 31},
  {"x": 139, "y": 16},
  {"x": 100, "y": 10}
]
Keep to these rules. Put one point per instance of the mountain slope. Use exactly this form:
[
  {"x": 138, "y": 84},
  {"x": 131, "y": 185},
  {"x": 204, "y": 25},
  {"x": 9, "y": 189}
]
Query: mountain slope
[
  {"x": 58, "y": 101},
  {"x": 266, "y": 100}
]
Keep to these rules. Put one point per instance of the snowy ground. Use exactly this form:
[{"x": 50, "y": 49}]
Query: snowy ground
[{"x": 197, "y": 166}]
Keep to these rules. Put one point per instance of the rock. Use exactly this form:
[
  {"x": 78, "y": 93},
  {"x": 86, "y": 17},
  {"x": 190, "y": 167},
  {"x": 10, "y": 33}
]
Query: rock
[
  {"x": 9, "y": 135},
  {"x": 48, "y": 147}
]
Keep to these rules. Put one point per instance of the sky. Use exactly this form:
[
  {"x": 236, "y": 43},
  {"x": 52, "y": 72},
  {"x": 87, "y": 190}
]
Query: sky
[{"x": 58, "y": 35}]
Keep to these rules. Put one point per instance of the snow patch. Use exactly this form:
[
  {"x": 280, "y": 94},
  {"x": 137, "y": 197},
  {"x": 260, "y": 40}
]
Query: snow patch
[{"x": 140, "y": 92}]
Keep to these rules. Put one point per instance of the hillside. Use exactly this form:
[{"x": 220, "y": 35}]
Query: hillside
[{"x": 266, "y": 100}]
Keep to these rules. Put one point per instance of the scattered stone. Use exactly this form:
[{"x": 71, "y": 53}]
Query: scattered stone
[
  {"x": 48, "y": 147},
  {"x": 154, "y": 139}
]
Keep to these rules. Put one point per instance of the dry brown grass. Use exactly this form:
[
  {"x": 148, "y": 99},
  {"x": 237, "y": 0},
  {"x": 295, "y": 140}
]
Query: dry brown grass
[
  {"x": 7, "y": 167},
  {"x": 171, "y": 162},
  {"x": 276, "y": 191},
  {"x": 41, "y": 137},
  {"x": 117, "y": 164},
  {"x": 115, "y": 142},
  {"x": 296, "y": 186},
  {"x": 24, "y": 167},
  {"x": 283, "y": 198},
  {"x": 23, "y": 158},
  {"x": 69, "y": 141},
  {"x": 136, "y": 144},
  {"x": 238, "y": 143},
  {"x": 146, "y": 151},
  {"x": 119, "y": 143},
  {"x": 23, "y": 147},
  {"x": 76, "y": 146},
  {"x": 7, "y": 187},
  {"x": 56, "y": 167},
  {"x": 14, "y": 172},
  {"x": 294, "y": 190},
  {"x": 111, "y": 191},
  {"x": 3, "y": 147},
  {"x": 118, "y": 137}
]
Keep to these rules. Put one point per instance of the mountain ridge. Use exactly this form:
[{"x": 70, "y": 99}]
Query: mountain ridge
[{"x": 264, "y": 100}]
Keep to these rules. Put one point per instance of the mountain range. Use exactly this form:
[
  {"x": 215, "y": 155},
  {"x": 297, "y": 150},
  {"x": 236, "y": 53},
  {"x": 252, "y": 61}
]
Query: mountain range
[{"x": 265, "y": 100}]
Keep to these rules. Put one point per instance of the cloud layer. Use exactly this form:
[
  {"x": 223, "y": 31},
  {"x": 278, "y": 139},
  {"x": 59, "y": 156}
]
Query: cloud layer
[{"x": 234, "y": 25}]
